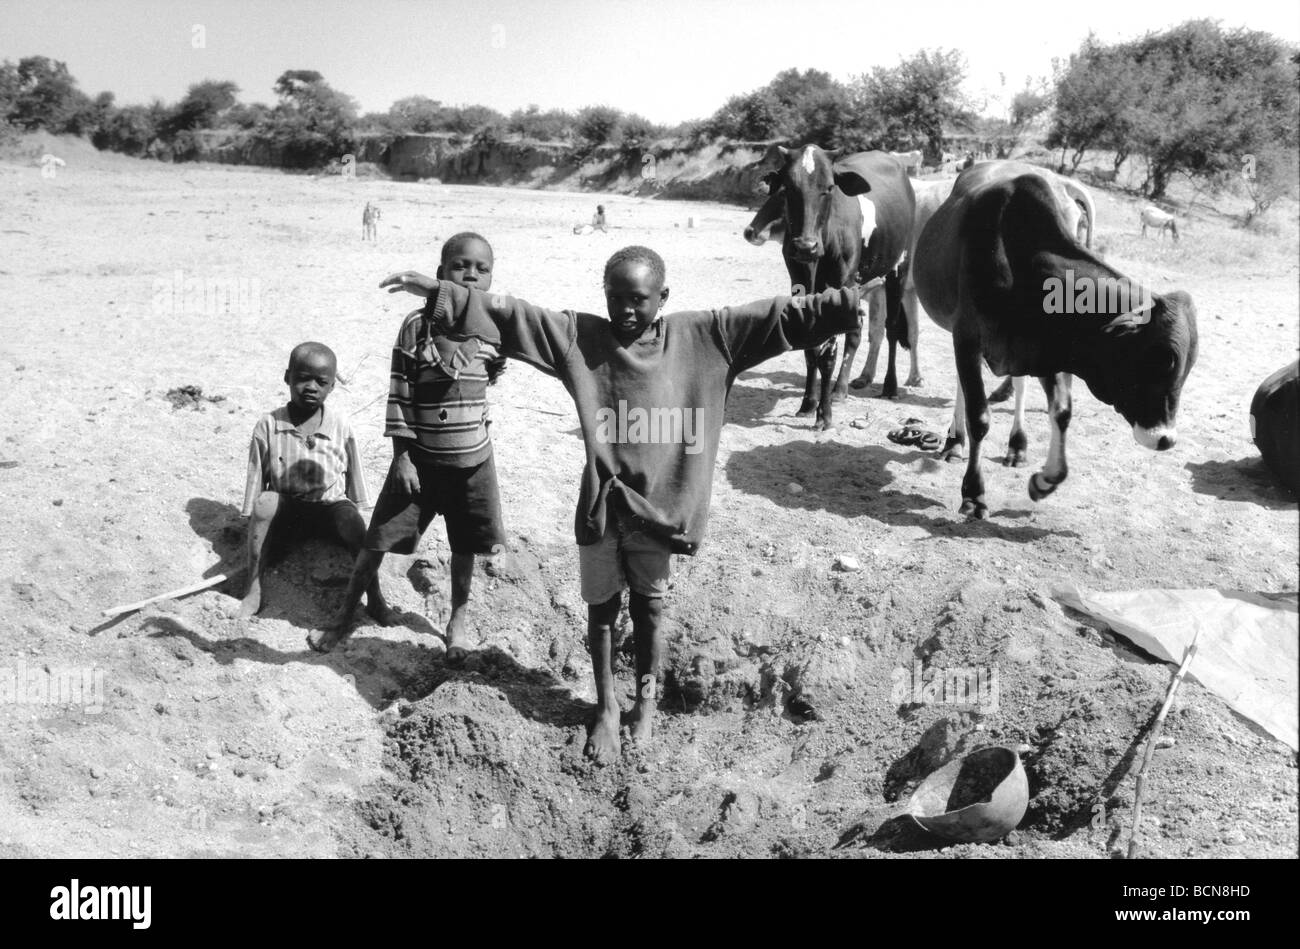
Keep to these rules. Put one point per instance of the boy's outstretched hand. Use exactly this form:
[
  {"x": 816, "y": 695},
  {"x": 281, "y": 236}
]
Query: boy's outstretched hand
[{"x": 412, "y": 282}]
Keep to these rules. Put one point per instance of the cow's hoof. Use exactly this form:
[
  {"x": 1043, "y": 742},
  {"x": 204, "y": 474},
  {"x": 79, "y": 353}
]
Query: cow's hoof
[
  {"x": 889, "y": 392},
  {"x": 976, "y": 510},
  {"x": 914, "y": 382},
  {"x": 1040, "y": 487},
  {"x": 807, "y": 410},
  {"x": 860, "y": 383},
  {"x": 1016, "y": 458},
  {"x": 952, "y": 451},
  {"x": 822, "y": 425}
]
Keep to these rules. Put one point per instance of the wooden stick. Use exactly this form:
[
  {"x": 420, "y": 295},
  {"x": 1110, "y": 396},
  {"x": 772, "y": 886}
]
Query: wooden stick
[
  {"x": 169, "y": 595},
  {"x": 1151, "y": 743}
]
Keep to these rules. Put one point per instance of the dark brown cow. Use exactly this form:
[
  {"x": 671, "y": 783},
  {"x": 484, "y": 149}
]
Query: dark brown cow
[
  {"x": 999, "y": 269},
  {"x": 847, "y": 221}
]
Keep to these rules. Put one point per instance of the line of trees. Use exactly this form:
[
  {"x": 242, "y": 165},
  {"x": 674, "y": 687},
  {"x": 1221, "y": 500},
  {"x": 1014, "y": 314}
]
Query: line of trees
[{"x": 1195, "y": 100}]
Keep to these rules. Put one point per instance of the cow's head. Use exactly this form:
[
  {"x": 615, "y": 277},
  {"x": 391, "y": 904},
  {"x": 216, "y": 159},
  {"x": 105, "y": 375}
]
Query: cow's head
[
  {"x": 771, "y": 212},
  {"x": 1147, "y": 358},
  {"x": 806, "y": 178}
]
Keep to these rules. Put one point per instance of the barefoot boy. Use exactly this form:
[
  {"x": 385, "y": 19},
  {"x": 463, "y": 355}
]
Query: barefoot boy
[
  {"x": 650, "y": 393},
  {"x": 304, "y": 472},
  {"x": 442, "y": 455}
]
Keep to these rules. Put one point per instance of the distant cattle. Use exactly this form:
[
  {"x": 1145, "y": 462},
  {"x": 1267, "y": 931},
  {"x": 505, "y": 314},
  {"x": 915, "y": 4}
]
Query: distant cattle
[
  {"x": 1152, "y": 216},
  {"x": 911, "y": 161},
  {"x": 989, "y": 265},
  {"x": 848, "y": 220}
]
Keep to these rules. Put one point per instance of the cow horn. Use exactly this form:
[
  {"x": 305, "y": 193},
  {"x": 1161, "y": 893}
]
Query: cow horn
[
  {"x": 773, "y": 160},
  {"x": 1130, "y": 321}
]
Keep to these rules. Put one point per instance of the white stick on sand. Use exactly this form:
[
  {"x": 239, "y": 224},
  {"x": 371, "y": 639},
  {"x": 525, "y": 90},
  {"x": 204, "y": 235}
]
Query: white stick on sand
[
  {"x": 169, "y": 595},
  {"x": 1140, "y": 785}
]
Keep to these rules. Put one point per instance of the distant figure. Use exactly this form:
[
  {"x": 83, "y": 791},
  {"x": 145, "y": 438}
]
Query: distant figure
[
  {"x": 369, "y": 221},
  {"x": 1152, "y": 216},
  {"x": 597, "y": 223},
  {"x": 970, "y": 160}
]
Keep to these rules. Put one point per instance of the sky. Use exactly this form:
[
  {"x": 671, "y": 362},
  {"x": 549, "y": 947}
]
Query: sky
[{"x": 669, "y": 60}]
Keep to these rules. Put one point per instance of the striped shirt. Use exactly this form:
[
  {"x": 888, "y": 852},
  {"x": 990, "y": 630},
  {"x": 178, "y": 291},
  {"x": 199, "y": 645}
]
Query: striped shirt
[
  {"x": 322, "y": 466},
  {"x": 437, "y": 394}
]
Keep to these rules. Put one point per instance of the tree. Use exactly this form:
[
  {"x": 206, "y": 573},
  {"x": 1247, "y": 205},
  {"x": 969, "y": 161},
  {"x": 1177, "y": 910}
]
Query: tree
[
  {"x": 914, "y": 100},
  {"x": 201, "y": 107},
  {"x": 1193, "y": 100},
  {"x": 553, "y": 125},
  {"x": 313, "y": 123},
  {"x": 418, "y": 114},
  {"x": 598, "y": 125},
  {"x": 46, "y": 96}
]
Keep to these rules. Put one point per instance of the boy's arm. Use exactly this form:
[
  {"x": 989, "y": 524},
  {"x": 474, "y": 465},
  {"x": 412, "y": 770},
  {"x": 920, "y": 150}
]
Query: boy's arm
[
  {"x": 255, "y": 480},
  {"x": 401, "y": 385},
  {"x": 758, "y": 331},
  {"x": 540, "y": 337}
]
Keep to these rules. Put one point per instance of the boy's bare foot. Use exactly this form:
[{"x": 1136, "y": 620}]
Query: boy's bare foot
[
  {"x": 640, "y": 722},
  {"x": 455, "y": 636},
  {"x": 251, "y": 603},
  {"x": 323, "y": 640},
  {"x": 603, "y": 746}
]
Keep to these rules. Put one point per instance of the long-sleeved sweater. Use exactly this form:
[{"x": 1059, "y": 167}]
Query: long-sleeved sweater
[{"x": 651, "y": 409}]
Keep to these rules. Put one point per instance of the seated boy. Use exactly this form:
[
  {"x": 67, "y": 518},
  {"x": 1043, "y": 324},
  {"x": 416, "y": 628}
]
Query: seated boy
[
  {"x": 650, "y": 393},
  {"x": 442, "y": 453},
  {"x": 304, "y": 473}
]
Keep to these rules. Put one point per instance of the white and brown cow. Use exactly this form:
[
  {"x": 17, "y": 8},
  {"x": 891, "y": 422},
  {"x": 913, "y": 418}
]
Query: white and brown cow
[{"x": 848, "y": 221}]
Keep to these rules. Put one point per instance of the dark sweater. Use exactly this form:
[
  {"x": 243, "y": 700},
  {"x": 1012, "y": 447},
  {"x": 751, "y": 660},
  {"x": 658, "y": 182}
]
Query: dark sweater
[{"x": 651, "y": 410}]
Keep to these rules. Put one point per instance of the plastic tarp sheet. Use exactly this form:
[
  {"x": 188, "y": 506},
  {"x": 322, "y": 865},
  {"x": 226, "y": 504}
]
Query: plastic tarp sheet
[{"x": 1246, "y": 653}]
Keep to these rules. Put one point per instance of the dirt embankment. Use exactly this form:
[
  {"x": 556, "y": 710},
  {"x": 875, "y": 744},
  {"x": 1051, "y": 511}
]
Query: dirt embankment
[{"x": 715, "y": 172}]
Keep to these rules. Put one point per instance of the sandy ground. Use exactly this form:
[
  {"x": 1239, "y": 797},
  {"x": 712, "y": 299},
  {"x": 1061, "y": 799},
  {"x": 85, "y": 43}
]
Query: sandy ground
[{"x": 780, "y": 735}]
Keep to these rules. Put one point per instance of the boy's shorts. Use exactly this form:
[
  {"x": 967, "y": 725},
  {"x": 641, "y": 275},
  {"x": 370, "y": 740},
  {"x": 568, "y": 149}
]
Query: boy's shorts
[
  {"x": 624, "y": 558},
  {"x": 297, "y": 520},
  {"x": 467, "y": 498}
]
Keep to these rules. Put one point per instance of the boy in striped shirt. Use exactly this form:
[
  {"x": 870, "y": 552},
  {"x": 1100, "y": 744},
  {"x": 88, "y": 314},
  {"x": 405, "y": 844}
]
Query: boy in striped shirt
[
  {"x": 304, "y": 473},
  {"x": 442, "y": 453}
]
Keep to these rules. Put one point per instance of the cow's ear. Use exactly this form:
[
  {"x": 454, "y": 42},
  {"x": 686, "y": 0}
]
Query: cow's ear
[{"x": 850, "y": 182}]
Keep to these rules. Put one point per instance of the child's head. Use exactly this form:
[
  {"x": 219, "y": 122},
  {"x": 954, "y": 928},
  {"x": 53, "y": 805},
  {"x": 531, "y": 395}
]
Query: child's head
[
  {"x": 634, "y": 289},
  {"x": 310, "y": 376},
  {"x": 600, "y": 209},
  {"x": 467, "y": 261}
]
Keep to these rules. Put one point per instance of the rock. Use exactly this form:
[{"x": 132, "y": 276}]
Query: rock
[
  {"x": 858, "y": 423},
  {"x": 794, "y": 488},
  {"x": 1164, "y": 741},
  {"x": 846, "y": 564}
]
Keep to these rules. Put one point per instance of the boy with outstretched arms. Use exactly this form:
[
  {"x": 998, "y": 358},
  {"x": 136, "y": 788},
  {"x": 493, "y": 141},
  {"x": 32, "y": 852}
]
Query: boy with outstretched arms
[{"x": 650, "y": 392}]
